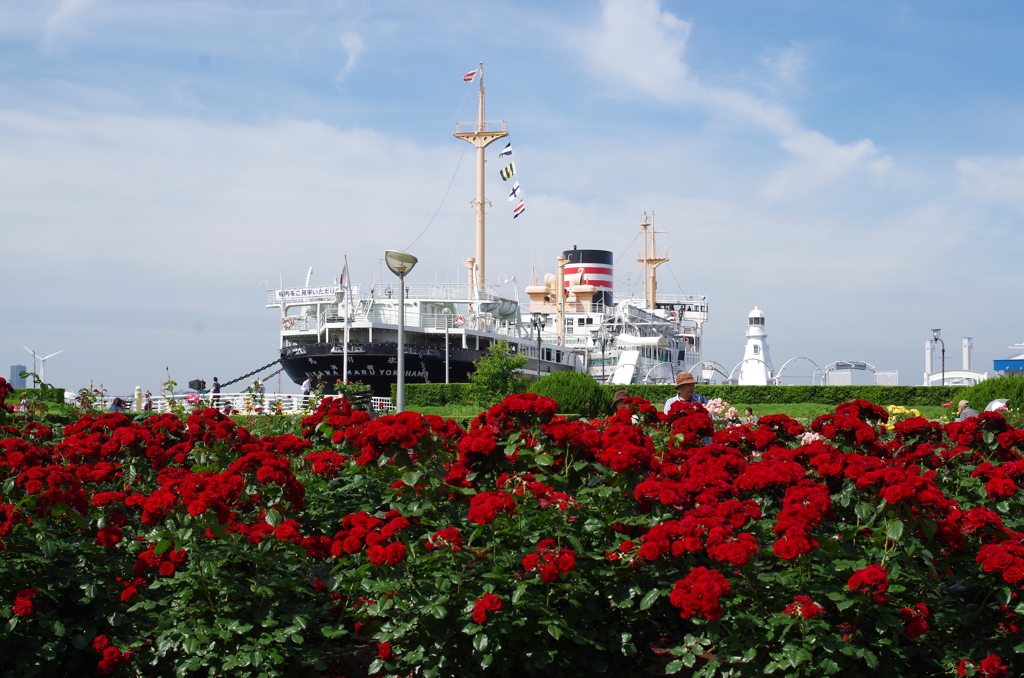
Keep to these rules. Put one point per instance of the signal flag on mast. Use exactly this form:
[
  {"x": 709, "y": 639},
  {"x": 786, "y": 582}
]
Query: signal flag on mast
[
  {"x": 506, "y": 151},
  {"x": 515, "y": 192},
  {"x": 520, "y": 208},
  {"x": 508, "y": 171},
  {"x": 468, "y": 77}
]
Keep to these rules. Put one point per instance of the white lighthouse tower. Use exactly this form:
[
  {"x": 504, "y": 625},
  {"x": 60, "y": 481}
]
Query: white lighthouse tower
[{"x": 756, "y": 368}]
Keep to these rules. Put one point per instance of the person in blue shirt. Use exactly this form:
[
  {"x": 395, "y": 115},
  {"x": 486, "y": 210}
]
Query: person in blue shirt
[{"x": 685, "y": 386}]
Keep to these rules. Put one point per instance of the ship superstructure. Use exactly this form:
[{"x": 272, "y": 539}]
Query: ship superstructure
[{"x": 573, "y": 320}]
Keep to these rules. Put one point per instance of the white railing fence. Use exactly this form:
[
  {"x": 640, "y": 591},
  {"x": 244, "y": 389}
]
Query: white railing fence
[{"x": 240, "y": 403}]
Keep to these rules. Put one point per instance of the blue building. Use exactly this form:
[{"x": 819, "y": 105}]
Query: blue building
[
  {"x": 1013, "y": 365},
  {"x": 16, "y": 380}
]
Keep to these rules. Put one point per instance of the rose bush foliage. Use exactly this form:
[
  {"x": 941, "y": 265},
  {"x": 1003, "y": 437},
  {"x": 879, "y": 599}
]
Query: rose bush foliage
[{"x": 526, "y": 545}]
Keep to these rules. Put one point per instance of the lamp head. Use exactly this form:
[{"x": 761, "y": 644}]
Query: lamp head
[
  {"x": 935, "y": 334},
  {"x": 399, "y": 263}
]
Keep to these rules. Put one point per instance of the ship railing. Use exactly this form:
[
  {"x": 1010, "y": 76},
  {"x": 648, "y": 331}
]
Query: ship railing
[
  {"x": 238, "y": 403},
  {"x": 301, "y": 323},
  {"x": 434, "y": 321},
  {"x": 453, "y": 292}
]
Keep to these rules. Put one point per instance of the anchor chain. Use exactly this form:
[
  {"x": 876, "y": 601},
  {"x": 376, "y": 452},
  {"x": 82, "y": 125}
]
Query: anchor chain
[{"x": 246, "y": 376}]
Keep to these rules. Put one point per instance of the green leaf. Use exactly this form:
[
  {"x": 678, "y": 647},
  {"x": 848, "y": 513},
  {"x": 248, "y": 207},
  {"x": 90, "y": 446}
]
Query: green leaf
[
  {"x": 829, "y": 667},
  {"x": 649, "y": 599},
  {"x": 79, "y": 641},
  {"x": 297, "y": 638},
  {"x": 555, "y": 631},
  {"x": 411, "y": 478},
  {"x": 518, "y": 593},
  {"x": 894, "y": 529},
  {"x": 162, "y": 546},
  {"x": 674, "y": 666},
  {"x": 218, "y": 531},
  {"x": 544, "y": 459},
  {"x": 480, "y": 641},
  {"x": 274, "y": 518},
  {"x": 375, "y": 666}
]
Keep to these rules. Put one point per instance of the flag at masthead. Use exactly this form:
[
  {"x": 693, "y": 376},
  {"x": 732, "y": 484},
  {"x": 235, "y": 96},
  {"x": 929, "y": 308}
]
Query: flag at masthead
[{"x": 481, "y": 134}]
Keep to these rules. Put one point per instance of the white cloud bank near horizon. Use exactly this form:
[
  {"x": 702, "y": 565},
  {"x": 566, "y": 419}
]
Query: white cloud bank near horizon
[{"x": 138, "y": 235}]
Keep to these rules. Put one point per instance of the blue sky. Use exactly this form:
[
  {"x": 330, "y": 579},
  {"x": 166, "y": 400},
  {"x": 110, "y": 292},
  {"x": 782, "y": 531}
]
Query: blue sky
[{"x": 854, "y": 169}]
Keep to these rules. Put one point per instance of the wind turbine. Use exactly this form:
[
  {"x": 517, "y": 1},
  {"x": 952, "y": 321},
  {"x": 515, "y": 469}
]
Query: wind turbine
[{"x": 42, "y": 362}]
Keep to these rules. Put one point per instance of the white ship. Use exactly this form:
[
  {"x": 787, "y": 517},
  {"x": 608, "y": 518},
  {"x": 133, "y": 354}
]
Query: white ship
[{"x": 573, "y": 320}]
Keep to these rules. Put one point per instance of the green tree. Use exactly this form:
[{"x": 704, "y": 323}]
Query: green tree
[{"x": 498, "y": 374}]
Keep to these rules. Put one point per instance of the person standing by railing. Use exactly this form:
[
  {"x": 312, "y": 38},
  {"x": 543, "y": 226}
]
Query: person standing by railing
[{"x": 215, "y": 390}]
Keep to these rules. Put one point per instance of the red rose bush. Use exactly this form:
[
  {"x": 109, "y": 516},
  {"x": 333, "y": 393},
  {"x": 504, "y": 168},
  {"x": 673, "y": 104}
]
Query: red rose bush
[{"x": 529, "y": 544}]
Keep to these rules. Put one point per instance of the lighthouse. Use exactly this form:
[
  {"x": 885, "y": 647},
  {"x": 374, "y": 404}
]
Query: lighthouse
[{"x": 756, "y": 368}]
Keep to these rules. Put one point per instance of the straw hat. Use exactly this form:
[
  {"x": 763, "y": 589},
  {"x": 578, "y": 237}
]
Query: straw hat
[{"x": 684, "y": 378}]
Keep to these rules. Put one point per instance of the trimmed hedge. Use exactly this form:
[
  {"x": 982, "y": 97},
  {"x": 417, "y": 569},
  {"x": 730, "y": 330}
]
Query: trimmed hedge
[
  {"x": 435, "y": 395},
  {"x": 438, "y": 395},
  {"x": 828, "y": 395},
  {"x": 980, "y": 395},
  {"x": 575, "y": 393}
]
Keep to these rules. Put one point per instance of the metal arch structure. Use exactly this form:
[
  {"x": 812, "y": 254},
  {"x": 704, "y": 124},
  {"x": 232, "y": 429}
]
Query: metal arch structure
[
  {"x": 656, "y": 366},
  {"x": 717, "y": 367},
  {"x": 771, "y": 373},
  {"x": 844, "y": 365},
  {"x": 849, "y": 365},
  {"x": 799, "y": 357}
]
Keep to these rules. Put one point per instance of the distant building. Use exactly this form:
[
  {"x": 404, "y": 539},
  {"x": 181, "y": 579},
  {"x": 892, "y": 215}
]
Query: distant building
[
  {"x": 934, "y": 374},
  {"x": 16, "y": 380},
  {"x": 756, "y": 368},
  {"x": 1014, "y": 364}
]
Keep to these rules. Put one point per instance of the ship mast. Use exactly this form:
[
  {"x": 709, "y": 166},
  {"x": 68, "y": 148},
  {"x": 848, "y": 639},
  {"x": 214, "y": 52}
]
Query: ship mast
[
  {"x": 481, "y": 134},
  {"x": 651, "y": 260}
]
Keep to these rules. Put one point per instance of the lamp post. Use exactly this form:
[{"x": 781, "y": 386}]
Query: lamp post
[
  {"x": 601, "y": 339},
  {"x": 447, "y": 321},
  {"x": 400, "y": 263},
  {"x": 539, "y": 321},
  {"x": 935, "y": 336}
]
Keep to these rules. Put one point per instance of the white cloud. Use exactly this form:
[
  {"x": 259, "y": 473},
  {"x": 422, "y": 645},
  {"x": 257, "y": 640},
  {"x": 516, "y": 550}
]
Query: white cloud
[
  {"x": 638, "y": 46},
  {"x": 787, "y": 66},
  {"x": 62, "y": 20},
  {"x": 353, "y": 44},
  {"x": 994, "y": 180}
]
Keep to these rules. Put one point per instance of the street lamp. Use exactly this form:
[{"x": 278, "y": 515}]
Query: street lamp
[
  {"x": 539, "y": 321},
  {"x": 447, "y": 321},
  {"x": 935, "y": 336},
  {"x": 400, "y": 263}
]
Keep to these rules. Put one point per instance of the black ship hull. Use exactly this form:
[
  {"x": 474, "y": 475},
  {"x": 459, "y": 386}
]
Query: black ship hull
[{"x": 376, "y": 365}]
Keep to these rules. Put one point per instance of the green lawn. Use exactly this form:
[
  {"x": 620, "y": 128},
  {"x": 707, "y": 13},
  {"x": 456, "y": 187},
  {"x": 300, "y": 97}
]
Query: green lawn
[{"x": 804, "y": 412}]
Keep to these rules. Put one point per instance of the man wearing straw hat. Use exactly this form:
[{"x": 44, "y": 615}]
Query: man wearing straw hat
[{"x": 685, "y": 385}]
